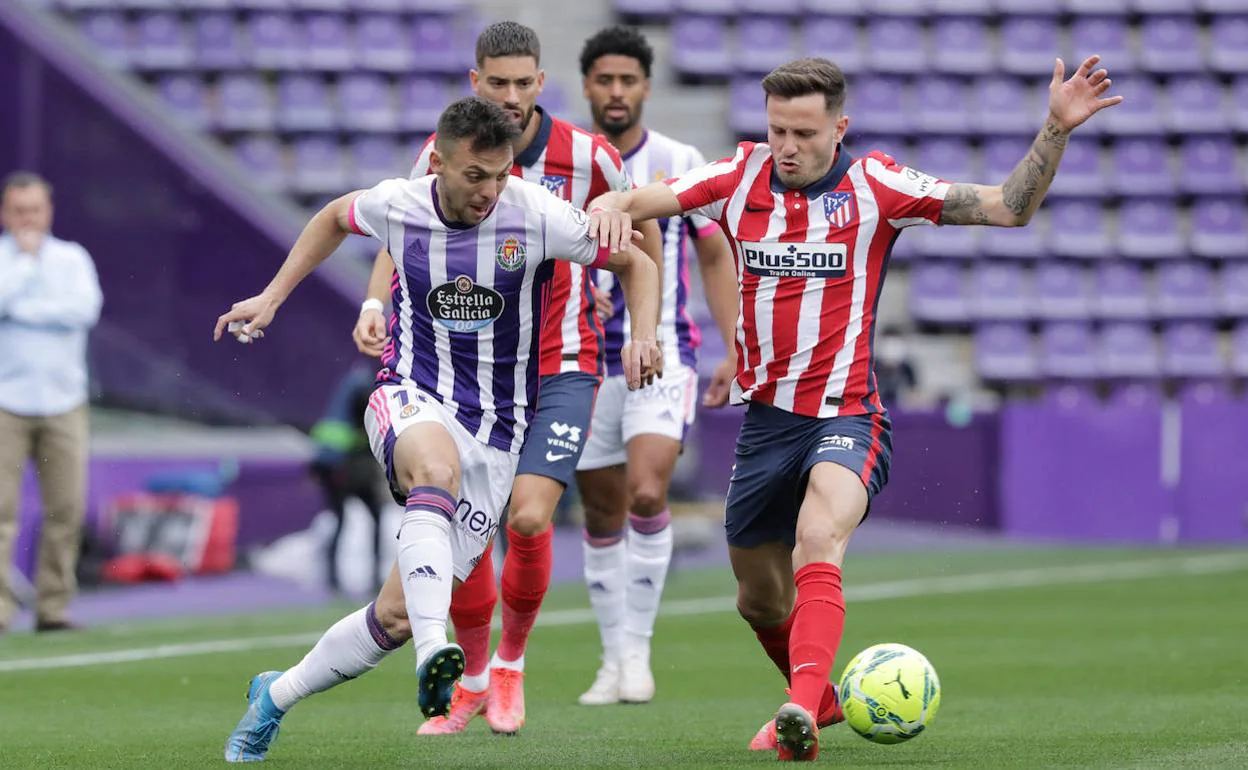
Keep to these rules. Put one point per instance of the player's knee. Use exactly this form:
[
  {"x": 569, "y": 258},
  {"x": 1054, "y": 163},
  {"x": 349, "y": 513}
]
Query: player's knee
[
  {"x": 823, "y": 540},
  {"x": 528, "y": 520},
  {"x": 762, "y": 608},
  {"x": 603, "y": 521},
  {"x": 648, "y": 498},
  {"x": 433, "y": 473}
]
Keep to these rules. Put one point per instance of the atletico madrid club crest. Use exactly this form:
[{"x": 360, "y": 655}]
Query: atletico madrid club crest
[
  {"x": 556, "y": 184},
  {"x": 838, "y": 207},
  {"x": 510, "y": 253}
]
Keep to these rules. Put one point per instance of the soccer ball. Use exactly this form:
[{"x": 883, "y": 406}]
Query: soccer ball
[{"x": 889, "y": 693}]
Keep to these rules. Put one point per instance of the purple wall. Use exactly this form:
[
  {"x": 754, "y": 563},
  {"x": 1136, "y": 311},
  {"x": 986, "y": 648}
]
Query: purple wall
[
  {"x": 176, "y": 237},
  {"x": 1213, "y": 498}
]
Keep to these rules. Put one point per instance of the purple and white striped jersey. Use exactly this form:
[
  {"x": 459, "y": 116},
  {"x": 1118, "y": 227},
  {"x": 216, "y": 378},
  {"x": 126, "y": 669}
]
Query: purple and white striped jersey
[
  {"x": 468, "y": 299},
  {"x": 660, "y": 157}
]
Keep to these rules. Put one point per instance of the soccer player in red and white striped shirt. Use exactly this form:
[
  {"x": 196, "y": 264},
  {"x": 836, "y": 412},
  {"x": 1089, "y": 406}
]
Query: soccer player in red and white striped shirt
[
  {"x": 576, "y": 166},
  {"x": 811, "y": 229}
]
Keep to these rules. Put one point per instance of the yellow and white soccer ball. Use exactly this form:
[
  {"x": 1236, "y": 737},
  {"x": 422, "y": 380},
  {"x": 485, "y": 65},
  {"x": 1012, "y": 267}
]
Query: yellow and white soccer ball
[{"x": 890, "y": 693}]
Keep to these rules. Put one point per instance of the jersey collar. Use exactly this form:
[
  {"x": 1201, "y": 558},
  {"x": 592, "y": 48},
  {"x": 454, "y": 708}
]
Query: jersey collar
[
  {"x": 540, "y": 140},
  {"x": 826, "y": 183},
  {"x": 437, "y": 207},
  {"x": 645, "y": 135}
]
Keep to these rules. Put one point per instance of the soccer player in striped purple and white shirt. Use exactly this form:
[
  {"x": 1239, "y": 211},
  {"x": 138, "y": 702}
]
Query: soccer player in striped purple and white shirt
[{"x": 456, "y": 394}]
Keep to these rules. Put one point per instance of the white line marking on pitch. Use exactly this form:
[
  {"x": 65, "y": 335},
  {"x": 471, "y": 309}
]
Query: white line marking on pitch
[{"x": 870, "y": 592}]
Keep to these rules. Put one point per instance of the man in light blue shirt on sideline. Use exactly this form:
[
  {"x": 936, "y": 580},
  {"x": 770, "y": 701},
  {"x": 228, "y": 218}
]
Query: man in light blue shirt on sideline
[{"x": 49, "y": 299}]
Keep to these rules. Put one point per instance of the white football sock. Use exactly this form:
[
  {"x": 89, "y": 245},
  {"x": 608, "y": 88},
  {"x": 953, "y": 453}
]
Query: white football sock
[
  {"x": 351, "y": 647},
  {"x": 605, "y": 577},
  {"x": 514, "y": 665},
  {"x": 649, "y": 555},
  {"x": 425, "y": 569}
]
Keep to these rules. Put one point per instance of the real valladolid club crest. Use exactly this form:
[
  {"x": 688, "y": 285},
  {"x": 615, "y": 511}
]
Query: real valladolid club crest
[
  {"x": 510, "y": 253},
  {"x": 838, "y": 207}
]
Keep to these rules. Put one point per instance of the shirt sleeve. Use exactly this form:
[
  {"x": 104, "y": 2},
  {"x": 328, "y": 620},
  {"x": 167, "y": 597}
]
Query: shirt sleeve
[
  {"x": 567, "y": 233},
  {"x": 700, "y": 226},
  {"x": 370, "y": 210},
  {"x": 906, "y": 196},
  {"x": 611, "y": 166},
  {"x": 420, "y": 167},
  {"x": 706, "y": 189}
]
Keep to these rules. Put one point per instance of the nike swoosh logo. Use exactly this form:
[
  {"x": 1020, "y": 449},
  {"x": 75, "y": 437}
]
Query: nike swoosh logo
[
  {"x": 799, "y": 668},
  {"x": 551, "y": 457}
]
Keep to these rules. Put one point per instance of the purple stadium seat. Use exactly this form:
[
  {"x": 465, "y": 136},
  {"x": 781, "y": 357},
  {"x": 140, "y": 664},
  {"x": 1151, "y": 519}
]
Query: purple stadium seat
[
  {"x": 1031, "y": 43},
  {"x": 186, "y": 99},
  {"x": 316, "y": 5},
  {"x": 1022, "y": 243},
  {"x": 1108, "y": 36},
  {"x": 1097, "y": 7},
  {"x": 1170, "y": 44},
  {"x": 724, "y": 8},
  {"x": 329, "y": 35},
  {"x": 318, "y": 166},
  {"x": 1005, "y": 352},
  {"x": 1080, "y": 230},
  {"x": 1239, "y": 103},
  {"x": 110, "y": 35},
  {"x": 999, "y": 156},
  {"x": 304, "y": 103},
  {"x": 881, "y": 105},
  {"x": 1209, "y": 166},
  {"x": 938, "y": 293},
  {"x": 161, "y": 42},
  {"x": 1121, "y": 291},
  {"x": 207, "y": 5},
  {"x": 1239, "y": 349},
  {"x": 999, "y": 291},
  {"x": 1004, "y": 106},
  {"x": 762, "y": 44},
  {"x": 1141, "y": 167},
  {"x": 274, "y": 42},
  {"x": 1128, "y": 350},
  {"x": 946, "y": 242},
  {"x": 1173, "y": 7},
  {"x": 962, "y": 45},
  {"x": 218, "y": 44},
  {"x": 1228, "y": 44},
  {"x": 382, "y": 42},
  {"x": 262, "y": 5},
  {"x": 555, "y": 97},
  {"x": 644, "y": 9},
  {"x": 841, "y": 9},
  {"x": 1191, "y": 350},
  {"x": 366, "y": 103},
  {"x": 950, "y": 159},
  {"x": 1219, "y": 228},
  {"x": 1185, "y": 290},
  {"x": 1232, "y": 286},
  {"x": 896, "y": 45},
  {"x": 374, "y": 158},
  {"x": 747, "y": 113},
  {"x": 700, "y": 47},
  {"x": 263, "y": 163},
  {"x": 971, "y": 8},
  {"x": 435, "y": 39},
  {"x": 244, "y": 103},
  {"x": 421, "y": 100},
  {"x": 942, "y": 105},
  {"x": 1082, "y": 173},
  {"x": 1201, "y": 391},
  {"x": 1061, "y": 291},
  {"x": 1139, "y": 113},
  {"x": 837, "y": 39},
  {"x": 1070, "y": 395},
  {"x": 1068, "y": 351},
  {"x": 1194, "y": 104},
  {"x": 1149, "y": 229}
]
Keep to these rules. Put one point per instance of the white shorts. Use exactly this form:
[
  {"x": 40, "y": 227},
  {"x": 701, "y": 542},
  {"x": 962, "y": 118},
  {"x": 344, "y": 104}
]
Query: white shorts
[
  {"x": 485, "y": 472},
  {"x": 665, "y": 408}
]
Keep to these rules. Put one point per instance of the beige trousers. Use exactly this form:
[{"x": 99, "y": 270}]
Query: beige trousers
[{"x": 58, "y": 446}]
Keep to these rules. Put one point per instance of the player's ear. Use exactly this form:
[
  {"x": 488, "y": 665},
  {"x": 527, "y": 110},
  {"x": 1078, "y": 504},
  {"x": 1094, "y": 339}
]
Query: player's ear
[
  {"x": 436, "y": 163},
  {"x": 541, "y": 80},
  {"x": 842, "y": 125},
  {"x": 474, "y": 78}
]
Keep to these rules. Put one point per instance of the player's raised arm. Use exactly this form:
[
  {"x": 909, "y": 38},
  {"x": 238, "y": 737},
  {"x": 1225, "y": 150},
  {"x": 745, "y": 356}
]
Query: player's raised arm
[
  {"x": 612, "y": 214},
  {"x": 1011, "y": 204},
  {"x": 320, "y": 238}
]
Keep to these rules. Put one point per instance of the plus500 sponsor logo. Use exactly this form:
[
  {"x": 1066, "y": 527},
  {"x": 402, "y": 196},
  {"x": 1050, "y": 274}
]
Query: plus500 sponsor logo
[{"x": 795, "y": 260}]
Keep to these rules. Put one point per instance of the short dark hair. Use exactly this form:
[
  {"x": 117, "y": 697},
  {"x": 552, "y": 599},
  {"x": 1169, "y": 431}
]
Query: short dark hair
[
  {"x": 808, "y": 76},
  {"x": 507, "y": 38},
  {"x": 482, "y": 123},
  {"x": 18, "y": 179},
  {"x": 617, "y": 41}
]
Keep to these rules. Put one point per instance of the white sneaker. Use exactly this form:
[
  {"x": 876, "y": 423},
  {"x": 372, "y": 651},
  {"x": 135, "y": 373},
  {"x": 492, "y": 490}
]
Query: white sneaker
[
  {"x": 636, "y": 682},
  {"x": 606, "y": 687}
]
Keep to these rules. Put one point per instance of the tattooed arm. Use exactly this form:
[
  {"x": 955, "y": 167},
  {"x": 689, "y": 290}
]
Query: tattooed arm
[{"x": 1012, "y": 203}]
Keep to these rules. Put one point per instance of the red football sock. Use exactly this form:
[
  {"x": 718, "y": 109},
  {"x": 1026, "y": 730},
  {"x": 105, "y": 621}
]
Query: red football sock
[
  {"x": 818, "y": 621},
  {"x": 526, "y": 576},
  {"x": 472, "y": 608},
  {"x": 775, "y": 641}
]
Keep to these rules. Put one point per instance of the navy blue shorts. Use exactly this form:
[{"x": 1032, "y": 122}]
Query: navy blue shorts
[
  {"x": 775, "y": 452},
  {"x": 565, "y": 403}
]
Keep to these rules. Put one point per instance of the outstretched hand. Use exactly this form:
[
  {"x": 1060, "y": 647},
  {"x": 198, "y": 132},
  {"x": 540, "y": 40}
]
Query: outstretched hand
[{"x": 1072, "y": 101}]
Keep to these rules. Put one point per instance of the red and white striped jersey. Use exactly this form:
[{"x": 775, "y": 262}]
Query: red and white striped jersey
[
  {"x": 811, "y": 264},
  {"x": 577, "y": 166}
]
